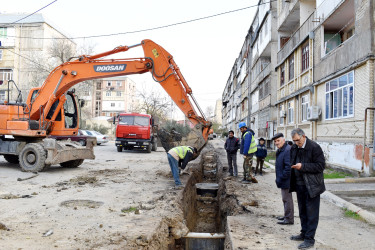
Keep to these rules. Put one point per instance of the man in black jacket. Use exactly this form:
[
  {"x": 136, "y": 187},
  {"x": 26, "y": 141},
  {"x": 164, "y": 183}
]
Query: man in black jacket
[
  {"x": 307, "y": 180},
  {"x": 232, "y": 145}
]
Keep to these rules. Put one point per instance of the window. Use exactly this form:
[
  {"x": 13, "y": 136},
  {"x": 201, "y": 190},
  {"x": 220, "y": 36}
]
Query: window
[
  {"x": 3, "y": 32},
  {"x": 264, "y": 90},
  {"x": 242, "y": 72},
  {"x": 281, "y": 111},
  {"x": 340, "y": 97},
  {"x": 118, "y": 84},
  {"x": 291, "y": 67},
  {"x": 6, "y": 74},
  {"x": 291, "y": 112},
  {"x": 98, "y": 85},
  {"x": 108, "y": 93},
  {"x": 1, "y": 54},
  {"x": 282, "y": 75},
  {"x": 112, "y": 104},
  {"x": 109, "y": 84},
  {"x": 305, "y": 104},
  {"x": 118, "y": 93},
  {"x": 305, "y": 56},
  {"x": 2, "y": 95},
  {"x": 134, "y": 120}
]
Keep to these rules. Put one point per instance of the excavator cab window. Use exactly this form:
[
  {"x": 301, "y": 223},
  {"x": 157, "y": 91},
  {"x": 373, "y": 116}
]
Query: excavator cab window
[
  {"x": 52, "y": 111},
  {"x": 70, "y": 112}
]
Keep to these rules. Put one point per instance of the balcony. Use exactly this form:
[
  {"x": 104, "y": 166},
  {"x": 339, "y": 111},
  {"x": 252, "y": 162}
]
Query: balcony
[
  {"x": 296, "y": 38},
  {"x": 289, "y": 15},
  {"x": 265, "y": 72},
  {"x": 264, "y": 103},
  {"x": 325, "y": 9}
]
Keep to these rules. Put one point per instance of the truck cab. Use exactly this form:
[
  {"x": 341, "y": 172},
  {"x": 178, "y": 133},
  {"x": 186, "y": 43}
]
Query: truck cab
[{"x": 135, "y": 130}]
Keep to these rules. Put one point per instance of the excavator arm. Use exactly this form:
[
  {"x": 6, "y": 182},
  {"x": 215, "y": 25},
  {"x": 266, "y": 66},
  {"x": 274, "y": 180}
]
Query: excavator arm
[{"x": 156, "y": 60}]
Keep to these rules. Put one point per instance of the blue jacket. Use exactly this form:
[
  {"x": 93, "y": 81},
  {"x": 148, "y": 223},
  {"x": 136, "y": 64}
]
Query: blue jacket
[
  {"x": 245, "y": 142},
  {"x": 283, "y": 169},
  {"x": 261, "y": 151}
]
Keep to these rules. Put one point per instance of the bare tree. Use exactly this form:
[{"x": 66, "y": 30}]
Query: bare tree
[
  {"x": 153, "y": 103},
  {"x": 61, "y": 51}
]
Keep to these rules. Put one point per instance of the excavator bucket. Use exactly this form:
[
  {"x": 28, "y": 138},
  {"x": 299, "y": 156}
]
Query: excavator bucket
[{"x": 172, "y": 138}]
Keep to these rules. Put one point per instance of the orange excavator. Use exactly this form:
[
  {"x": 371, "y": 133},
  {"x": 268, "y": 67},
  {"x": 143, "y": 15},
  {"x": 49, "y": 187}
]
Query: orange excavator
[{"x": 53, "y": 109}]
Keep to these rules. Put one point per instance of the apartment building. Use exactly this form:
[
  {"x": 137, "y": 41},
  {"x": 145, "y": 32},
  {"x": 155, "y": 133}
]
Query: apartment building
[
  {"x": 23, "y": 43},
  {"x": 263, "y": 78},
  {"x": 235, "y": 95},
  {"x": 249, "y": 95},
  {"x": 325, "y": 67},
  {"x": 113, "y": 96}
]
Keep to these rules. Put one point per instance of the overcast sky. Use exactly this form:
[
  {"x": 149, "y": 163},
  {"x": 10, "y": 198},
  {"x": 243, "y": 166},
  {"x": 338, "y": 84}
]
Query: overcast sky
[{"x": 205, "y": 50}]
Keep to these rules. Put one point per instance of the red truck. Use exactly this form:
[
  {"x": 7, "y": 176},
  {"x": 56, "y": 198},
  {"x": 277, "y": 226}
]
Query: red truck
[{"x": 135, "y": 130}]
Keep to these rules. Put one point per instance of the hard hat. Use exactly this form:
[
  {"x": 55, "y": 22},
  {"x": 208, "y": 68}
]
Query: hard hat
[{"x": 241, "y": 125}]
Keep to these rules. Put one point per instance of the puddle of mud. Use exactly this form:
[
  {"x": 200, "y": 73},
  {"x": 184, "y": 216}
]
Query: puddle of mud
[{"x": 81, "y": 203}]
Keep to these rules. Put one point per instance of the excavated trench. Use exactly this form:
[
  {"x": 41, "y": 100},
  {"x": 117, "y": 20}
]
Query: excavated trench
[{"x": 201, "y": 203}]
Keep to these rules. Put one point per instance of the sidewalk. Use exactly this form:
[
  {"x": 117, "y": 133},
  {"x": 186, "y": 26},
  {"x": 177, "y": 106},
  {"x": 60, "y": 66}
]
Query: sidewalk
[{"x": 256, "y": 227}]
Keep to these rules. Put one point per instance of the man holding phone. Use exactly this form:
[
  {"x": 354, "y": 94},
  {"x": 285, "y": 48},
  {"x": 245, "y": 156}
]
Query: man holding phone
[{"x": 307, "y": 181}]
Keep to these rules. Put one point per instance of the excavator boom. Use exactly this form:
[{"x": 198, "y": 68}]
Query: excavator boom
[{"x": 46, "y": 110}]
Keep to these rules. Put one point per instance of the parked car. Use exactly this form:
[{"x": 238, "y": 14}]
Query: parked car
[
  {"x": 100, "y": 138},
  {"x": 81, "y": 137}
]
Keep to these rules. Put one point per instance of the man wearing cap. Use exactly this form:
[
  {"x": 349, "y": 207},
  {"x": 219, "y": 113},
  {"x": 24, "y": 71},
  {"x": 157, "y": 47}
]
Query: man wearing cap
[
  {"x": 179, "y": 157},
  {"x": 248, "y": 149},
  {"x": 232, "y": 144},
  {"x": 283, "y": 178}
]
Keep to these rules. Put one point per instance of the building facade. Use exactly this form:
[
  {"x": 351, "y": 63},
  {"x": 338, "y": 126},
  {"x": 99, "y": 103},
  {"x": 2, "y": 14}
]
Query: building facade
[
  {"x": 24, "y": 49},
  {"x": 235, "y": 96},
  {"x": 326, "y": 77},
  {"x": 113, "y": 96},
  {"x": 262, "y": 76}
]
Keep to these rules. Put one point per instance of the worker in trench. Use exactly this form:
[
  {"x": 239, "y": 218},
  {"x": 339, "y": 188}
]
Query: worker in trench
[{"x": 179, "y": 157}]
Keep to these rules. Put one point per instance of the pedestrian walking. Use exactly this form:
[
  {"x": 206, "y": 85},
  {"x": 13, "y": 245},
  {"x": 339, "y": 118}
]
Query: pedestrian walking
[
  {"x": 260, "y": 154},
  {"x": 307, "y": 181},
  {"x": 283, "y": 178},
  {"x": 178, "y": 157},
  {"x": 248, "y": 149},
  {"x": 232, "y": 144}
]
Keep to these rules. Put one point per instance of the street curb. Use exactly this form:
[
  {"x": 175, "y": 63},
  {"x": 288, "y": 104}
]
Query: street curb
[
  {"x": 366, "y": 215},
  {"x": 350, "y": 180}
]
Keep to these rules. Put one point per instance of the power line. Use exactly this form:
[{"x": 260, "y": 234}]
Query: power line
[
  {"x": 153, "y": 28},
  {"x": 34, "y": 12}
]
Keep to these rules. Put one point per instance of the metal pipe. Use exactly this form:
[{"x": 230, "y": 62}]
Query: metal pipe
[
  {"x": 58, "y": 84},
  {"x": 135, "y": 45},
  {"x": 199, "y": 108},
  {"x": 364, "y": 139},
  {"x": 205, "y": 235}
]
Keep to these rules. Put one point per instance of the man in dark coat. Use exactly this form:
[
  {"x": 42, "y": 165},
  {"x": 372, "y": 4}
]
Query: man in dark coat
[
  {"x": 283, "y": 178},
  {"x": 232, "y": 144},
  {"x": 307, "y": 180}
]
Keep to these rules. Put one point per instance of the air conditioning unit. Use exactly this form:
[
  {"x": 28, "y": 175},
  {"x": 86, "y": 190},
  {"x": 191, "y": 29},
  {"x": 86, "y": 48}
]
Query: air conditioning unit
[
  {"x": 282, "y": 114},
  {"x": 313, "y": 113}
]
